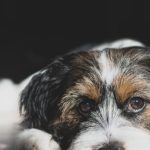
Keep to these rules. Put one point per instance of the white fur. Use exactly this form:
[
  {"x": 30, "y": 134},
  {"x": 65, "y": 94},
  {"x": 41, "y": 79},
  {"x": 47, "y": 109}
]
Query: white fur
[
  {"x": 108, "y": 70},
  {"x": 119, "y": 44},
  {"x": 9, "y": 112},
  {"x": 9, "y": 108},
  {"x": 134, "y": 139},
  {"x": 33, "y": 139}
]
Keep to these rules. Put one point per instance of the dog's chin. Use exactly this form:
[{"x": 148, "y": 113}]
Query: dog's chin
[{"x": 123, "y": 138}]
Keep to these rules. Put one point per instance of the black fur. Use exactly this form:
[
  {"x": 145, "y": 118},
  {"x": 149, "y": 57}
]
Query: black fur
[{"x": 40, "y": 99}]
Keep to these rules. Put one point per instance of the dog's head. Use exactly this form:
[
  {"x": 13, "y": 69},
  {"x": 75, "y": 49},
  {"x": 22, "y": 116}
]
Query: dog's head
[{"x": 93, "y": 100}]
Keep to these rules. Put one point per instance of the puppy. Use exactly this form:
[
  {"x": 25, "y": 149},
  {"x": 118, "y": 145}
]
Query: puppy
[{"x": 94, "y": 99}]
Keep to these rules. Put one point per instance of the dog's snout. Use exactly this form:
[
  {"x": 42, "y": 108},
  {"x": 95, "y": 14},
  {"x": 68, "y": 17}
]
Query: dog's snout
[{"x": 112, "y": 146}]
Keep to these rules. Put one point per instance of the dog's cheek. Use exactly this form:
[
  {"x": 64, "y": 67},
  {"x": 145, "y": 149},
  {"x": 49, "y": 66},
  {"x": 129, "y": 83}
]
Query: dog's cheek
[
  {"x": 65, "y": 128},
  {"x": 64, "y": 134},
  {"x": 67, "y": 122},
  {"x": 145, "y": 118}
]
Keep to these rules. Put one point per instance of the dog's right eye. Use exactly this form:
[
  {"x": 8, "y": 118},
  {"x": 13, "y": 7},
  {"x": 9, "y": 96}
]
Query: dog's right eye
[
  {"x": 86, "y": 106},
  {"x": 135, "y": 104}
]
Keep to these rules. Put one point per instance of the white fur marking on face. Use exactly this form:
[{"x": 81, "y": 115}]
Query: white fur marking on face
[
  {"x": 109, "y": 113},
  {"x": 89, "y": 139},
  {"x": 96, "y": 137},
  {"x": 133, "y": 138},
  {"x": 108, "y": 70}
]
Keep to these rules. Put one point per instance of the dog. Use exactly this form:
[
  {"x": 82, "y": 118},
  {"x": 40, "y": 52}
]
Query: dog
[{"x": 93, "y": 98}]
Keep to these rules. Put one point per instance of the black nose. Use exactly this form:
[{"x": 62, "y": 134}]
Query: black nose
[{"x": 112, "y": 146}]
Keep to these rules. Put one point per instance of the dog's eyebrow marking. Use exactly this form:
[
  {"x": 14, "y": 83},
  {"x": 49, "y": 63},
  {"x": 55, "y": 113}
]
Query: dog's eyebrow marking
[
  {"x": 89, "y": 89},
  {"x": 108, "y": 69},
  {"x": 127, "y": 86},
  {"x": 124, "y": 87}
]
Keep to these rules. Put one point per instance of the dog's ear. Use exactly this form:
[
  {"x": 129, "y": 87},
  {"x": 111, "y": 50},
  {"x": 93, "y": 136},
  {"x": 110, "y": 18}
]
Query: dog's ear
[{"x": 39, "y": 99}]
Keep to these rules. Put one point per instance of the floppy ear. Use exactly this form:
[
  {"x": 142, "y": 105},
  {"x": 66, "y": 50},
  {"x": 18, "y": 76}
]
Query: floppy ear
[{"x": 39, "y": 99}]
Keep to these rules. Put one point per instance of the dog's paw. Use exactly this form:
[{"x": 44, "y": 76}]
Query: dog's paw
[{"x": 34, "y": 139}]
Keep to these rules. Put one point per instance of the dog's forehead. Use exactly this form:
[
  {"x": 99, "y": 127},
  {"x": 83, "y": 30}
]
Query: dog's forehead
[{"x": 118, "y": 68}]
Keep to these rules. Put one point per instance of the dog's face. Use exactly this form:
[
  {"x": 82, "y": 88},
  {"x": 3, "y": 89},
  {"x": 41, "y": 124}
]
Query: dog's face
[{"x": 93, "y": 100}]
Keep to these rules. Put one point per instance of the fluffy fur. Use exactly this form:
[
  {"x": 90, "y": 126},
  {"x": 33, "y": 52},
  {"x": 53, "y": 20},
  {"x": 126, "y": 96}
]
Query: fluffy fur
[{"x": 112, "y": 79}]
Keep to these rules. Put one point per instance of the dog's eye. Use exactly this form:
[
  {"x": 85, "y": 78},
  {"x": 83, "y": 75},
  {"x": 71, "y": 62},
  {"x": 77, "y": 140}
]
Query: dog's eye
[
  {"x": 136, "y": 104},
  {"x": 86, "y": 106}
]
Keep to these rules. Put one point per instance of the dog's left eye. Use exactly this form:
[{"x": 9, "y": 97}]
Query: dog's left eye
[
  {"x": 136, "y": 104},
  {"x": 86, "y": 106}
]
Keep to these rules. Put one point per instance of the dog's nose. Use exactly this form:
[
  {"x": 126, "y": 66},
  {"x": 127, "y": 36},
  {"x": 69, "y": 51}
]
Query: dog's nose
[{"x": 112, "y": 146}]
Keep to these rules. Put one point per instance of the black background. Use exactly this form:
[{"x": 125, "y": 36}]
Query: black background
[{"x": 33, "y": 32}]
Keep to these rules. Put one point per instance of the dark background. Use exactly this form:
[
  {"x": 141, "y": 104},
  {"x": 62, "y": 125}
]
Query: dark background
[{"x": 33, "y": 32}]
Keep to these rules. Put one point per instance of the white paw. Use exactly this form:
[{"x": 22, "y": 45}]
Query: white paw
[{"x": 34, "y": 139}]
